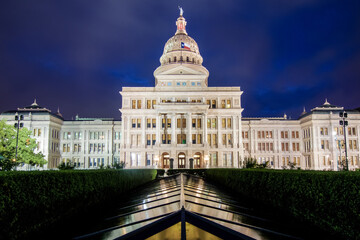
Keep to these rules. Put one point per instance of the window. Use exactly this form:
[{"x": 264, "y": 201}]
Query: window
[
  {"x": 192, "y": 83},
  {"x": 117, "y": 135},
  {"x": 166, "y": 138},
  {"x": 222, "y": 103},
  {"x": 295, "y": 134},
  {"x": 213, "y": 103},
  {"x": 226, "y": 123},
  {"x": 184, "y": 83},
  {"x": 229, "y": 139},
  {"x": 148, "y": 123},
  {"x": 245, "y": 134},
  {"x": 352, "y": 144},
  {"x": 211, "y": 123},
  {"x": 228, "y": 103},
  {"x": 139, "y": 104},
  {"x": 148, "y": 139},
  {"x": 181, "y": 139},
  {"x": 284, "y": 147},
  {"x": 296, "y": 147},
  {"x": 351, "y": 131},
  {"x": 133, "y": 104},
  {"x": 138, "y": 123},
  {"x": 196, "y": 122},
  {"x": 148, "y": 104},
  {"x": 154, "y": 123},
  {"x": 153, "y": 139},
  {"x": 229, "y": 123},
  {"x": 67, "y": 135},
  {"x": 169, "y": 123},
  {"x": 77, "y": 135},
  {"x": 133, "y": 121},
  {"x": 284, "y": 134},
  {"x": 196, "y": 138},
  {"x": 181, "y": 123}
]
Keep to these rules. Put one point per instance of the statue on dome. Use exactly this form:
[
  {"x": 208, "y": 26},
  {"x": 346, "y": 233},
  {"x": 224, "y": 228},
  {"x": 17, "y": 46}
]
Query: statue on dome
[{"x": 181, "y": 11}]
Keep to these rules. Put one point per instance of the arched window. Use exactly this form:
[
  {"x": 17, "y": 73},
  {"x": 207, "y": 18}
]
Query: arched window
[
  {"x": 187, "y": 59},
  {"x": 193, "y": 60},
  {"x": 169, "y": 60},
  {"x": 174, "y": 59},
  {"x": 181, "y": 58}
]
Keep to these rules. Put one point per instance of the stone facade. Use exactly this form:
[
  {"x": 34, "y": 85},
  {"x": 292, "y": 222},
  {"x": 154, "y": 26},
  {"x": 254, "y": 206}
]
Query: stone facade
[{"x": 183, "y": 123}]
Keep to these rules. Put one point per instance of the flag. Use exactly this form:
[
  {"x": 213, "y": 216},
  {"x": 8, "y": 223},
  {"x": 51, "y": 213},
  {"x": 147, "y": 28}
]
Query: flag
[{"x": 185, "y": 46}]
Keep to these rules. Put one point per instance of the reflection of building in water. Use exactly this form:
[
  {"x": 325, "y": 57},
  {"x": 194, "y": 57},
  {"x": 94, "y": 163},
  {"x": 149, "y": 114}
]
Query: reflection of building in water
[{"x": 183, "y": 123}]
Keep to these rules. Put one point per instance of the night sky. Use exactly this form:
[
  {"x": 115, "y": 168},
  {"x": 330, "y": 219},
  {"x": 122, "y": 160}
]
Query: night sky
[{"x": 77, "y": 55}]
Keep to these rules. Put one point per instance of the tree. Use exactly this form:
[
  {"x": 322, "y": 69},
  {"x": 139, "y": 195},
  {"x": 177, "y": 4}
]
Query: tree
[{"x": 26, "y": 147}]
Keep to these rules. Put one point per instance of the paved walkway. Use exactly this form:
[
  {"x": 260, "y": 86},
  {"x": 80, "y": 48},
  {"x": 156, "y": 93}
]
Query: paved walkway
[{"x": 166, "y": 196}]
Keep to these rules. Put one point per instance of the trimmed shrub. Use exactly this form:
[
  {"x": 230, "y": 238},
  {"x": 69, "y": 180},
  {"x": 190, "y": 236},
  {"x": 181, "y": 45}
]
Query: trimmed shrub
[
  {"x": 198, "y": 172},
  {"x": 31, "y": 201},
  {"x": 329, "y": 200},
  {"x": 160, "y": 172}
]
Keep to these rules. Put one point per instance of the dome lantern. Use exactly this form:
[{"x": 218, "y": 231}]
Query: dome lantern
[
  {"x": 181, "y": 48},
  {"x": 181, "y": 23}
]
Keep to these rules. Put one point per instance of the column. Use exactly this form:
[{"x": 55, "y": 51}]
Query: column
[
  {"x": 143, "y": 136},
  {"x": 158, "y": 128},
  {"x": 204, "y": 131},
  {"x": 189, "y": 127},
  {"x": 173, "y": 128}
]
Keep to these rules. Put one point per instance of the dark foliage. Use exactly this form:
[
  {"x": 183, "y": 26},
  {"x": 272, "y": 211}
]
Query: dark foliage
[
  {"x": 198, "y": 172},
  {"x": 31, "y": 201},
  {"x": 160, "y": 172},
  {"x": 329, "y": 200},
  {"x": 67, "y": 166}
]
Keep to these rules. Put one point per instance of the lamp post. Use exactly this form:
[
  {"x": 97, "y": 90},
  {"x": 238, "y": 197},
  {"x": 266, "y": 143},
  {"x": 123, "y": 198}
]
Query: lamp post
[
  {"x": 18, "y": 125},
  {"x": 343, "y": 115}
]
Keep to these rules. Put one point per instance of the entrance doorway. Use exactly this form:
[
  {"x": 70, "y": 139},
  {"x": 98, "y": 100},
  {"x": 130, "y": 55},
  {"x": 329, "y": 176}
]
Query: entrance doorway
[
  {"x": 165, "y": 160},
  {"x": 181, "y": 160},
  {"x": 197, "y": 160}
]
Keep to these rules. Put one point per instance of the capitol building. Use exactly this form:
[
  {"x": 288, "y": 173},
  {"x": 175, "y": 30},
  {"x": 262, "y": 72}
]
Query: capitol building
[{"x": 183, "y": 123}]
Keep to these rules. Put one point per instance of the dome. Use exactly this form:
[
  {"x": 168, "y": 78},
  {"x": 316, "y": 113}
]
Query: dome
[{"x": 181, "y": 48}]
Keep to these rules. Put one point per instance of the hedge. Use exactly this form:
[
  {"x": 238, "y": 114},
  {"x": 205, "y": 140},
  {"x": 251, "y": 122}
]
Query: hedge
[
  {"x": 198, "y": 172},
  {"x": 32, "y": 201},
  {"x": 160, "y": 172},
  {"x": 329, "y": 200}
]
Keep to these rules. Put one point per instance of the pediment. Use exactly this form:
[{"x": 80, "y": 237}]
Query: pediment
[{"x": 183, "y": 70}]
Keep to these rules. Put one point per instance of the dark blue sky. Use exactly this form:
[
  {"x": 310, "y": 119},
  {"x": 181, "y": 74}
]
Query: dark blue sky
[{"x": 77, "y": 55}]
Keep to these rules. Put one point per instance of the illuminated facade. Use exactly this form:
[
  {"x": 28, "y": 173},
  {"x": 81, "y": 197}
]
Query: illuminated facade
[{"x": 183, "y": 123}]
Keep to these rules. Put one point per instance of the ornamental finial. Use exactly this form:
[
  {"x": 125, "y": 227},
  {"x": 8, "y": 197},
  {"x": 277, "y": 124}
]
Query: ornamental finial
[{"x": 181, "y": 11}]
